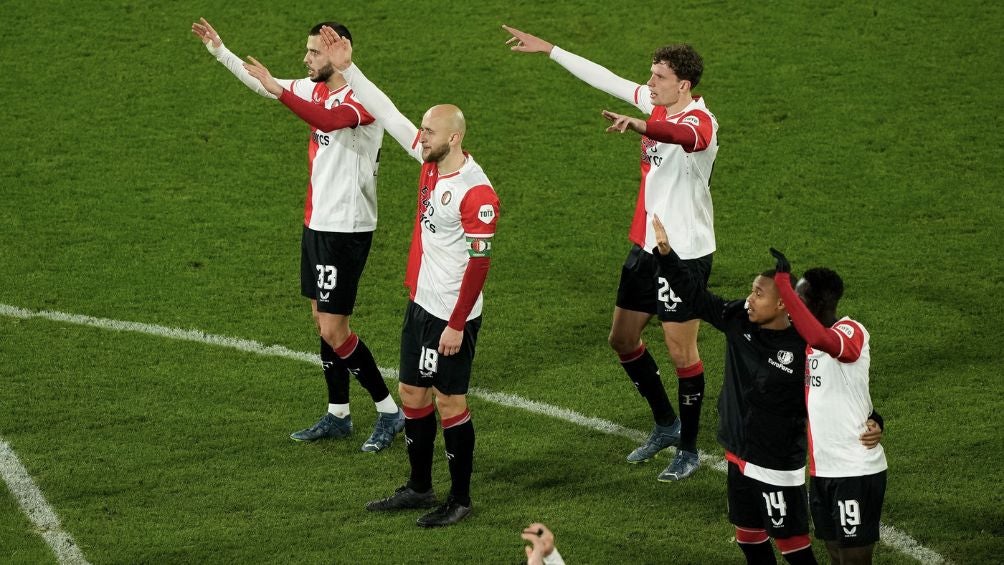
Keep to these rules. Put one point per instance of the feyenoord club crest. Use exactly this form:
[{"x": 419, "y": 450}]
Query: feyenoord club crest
[
  {"x": 785, "y": 357},
  {"x": 446, "y": 197}
]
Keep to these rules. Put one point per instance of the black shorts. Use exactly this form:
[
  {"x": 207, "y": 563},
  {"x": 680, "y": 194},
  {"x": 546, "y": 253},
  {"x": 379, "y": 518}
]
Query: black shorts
[
  {"x": 421, "y": 363},
  {"x": 330, "y": 267},
  {"x": 782, "y": 511},
  {"x": 642, "y": 289},
  {"x": 847, "y": 510}
]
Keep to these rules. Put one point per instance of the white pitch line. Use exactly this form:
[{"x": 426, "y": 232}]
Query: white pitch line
[
  {"x": 898, "y": 540},
  {"x": 34, "y": 505}
]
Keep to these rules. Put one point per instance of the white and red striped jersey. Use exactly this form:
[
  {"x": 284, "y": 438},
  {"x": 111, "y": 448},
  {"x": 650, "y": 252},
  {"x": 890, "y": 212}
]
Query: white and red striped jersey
[
  {"x": 343, "y": 162},
  {"x": 839, "y": 403},
  {"x": 675, "y": 180},
  {"x": 456, "y": 213},
  {"x": 455, "y": 220}
]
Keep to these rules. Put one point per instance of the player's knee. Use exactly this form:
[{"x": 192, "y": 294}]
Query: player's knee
[
  {"x": 450, "y": 405},
  {"x": 413, "y": 396},
  {"x": 334, "y": 332},
  {"x": 623, "y": 344}
]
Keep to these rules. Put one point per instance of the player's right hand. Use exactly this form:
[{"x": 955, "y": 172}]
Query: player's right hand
[
  {"x": 207, "y": 34},
  {"x": 526, "y": 43},
  {"x": 661, "y": 237},
  {"x": 783, "y": 266}
]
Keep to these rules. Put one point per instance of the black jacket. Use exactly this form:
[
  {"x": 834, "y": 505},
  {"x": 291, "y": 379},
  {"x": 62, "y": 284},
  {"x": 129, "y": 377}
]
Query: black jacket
[{"x": 761, "y": 410}]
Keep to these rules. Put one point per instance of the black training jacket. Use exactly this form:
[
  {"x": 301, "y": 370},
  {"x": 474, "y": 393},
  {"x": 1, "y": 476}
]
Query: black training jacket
[{"x": 761, "y": 409}]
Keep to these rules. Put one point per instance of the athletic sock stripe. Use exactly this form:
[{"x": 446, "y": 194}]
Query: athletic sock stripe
[
  {"x": 418, "y": 413},
  {"x": 349, "y": 347},
  {"x": 634, "y": 355},
  {"x": 794, "y": 543},
  {"x": 691, "y": 371},
  {"x": 751, "y": 536},
  {"x": 457, "y": 420}
]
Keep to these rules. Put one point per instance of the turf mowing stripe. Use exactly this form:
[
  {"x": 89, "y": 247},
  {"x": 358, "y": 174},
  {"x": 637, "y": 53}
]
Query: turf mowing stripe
[
  {"x": 34, "y": 505},
  {"x": 898, "y": 540}
]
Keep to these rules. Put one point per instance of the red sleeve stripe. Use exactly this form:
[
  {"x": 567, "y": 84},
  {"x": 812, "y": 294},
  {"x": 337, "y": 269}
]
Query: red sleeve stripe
[
  {"x": 418, "y": 134},
  {"x": 636, "y": 91}
]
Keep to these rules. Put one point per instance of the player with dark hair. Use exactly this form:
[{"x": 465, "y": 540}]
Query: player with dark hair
[
  {"x": 848, "y": 473},
  {"x": 339, "y": 219},
  {"x": 761, "y": 410},
  {"x": 447, "y": 266},
  {"x": 678, "y": 150}
]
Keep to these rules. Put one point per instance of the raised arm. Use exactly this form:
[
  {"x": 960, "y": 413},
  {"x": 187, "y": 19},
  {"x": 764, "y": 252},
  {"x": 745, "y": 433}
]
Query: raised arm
[
  {"x": 585, "y": 70},
  {"x": 706, "y": 305},
  {"x": 812, "y": 331},
  {"x": 205, "y": 32},
  {"x": 378, "y": 104}
]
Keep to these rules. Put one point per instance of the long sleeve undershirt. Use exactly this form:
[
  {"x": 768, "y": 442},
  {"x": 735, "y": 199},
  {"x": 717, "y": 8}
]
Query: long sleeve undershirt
[
  {"x": 380, "y": 106},
  {"x": 234, "y": 64},
  {"x": 812, "y": 331}
]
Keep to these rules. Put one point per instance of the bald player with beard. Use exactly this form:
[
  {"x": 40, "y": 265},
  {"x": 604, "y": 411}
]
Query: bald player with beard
[{"x": 448, "y": 263}]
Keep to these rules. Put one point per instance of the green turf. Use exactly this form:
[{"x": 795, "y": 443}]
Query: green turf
[{"x": 142, "y": 182}]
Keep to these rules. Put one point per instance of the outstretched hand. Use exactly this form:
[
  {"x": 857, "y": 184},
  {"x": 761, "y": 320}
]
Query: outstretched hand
[
  {"x": 622, "y": 123},
  {"x": 337, "y": 48},
  {"x": 526, "y": 43},
  {"x": 206, "y": 33},
  {"x": 661, "y": 237},
  {"x": 541, "y": 543},
  {"x": 783, "y": 266},
  {"x": 260, "y": 72}
]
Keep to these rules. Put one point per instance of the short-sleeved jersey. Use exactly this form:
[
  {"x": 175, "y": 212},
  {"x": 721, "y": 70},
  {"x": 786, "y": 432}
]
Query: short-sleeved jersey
[
  {"x": 455, "y": 220},
  {"x": 839, "y": 403},
  {"x": 676, "y": 184},
  {"x": 343, "y": 163}
]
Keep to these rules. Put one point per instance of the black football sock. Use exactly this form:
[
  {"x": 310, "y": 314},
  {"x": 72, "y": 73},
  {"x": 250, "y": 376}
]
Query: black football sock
[
  {"x": 691, "y": 397},
  {"x": 458, "y": 435},
  {"x": 360, "y": 362},
  {"x": 420, "y": 437},
  {"x": 335, "y": 375},
  {"x": 759, "y": 553},
  {"x": 644, "y": 373},
  {"x": 801, "y": 557}
]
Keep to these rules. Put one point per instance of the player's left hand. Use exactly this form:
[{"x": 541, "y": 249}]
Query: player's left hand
[
  {"x": 661, "y": 238},
  {"x": 622, "y": 123},
  {"x": 783, "y": 266},
  {"x": 258, "y": 71},
  {"x": 872, "y": 435},
  {"x": 449, "y": 342}
]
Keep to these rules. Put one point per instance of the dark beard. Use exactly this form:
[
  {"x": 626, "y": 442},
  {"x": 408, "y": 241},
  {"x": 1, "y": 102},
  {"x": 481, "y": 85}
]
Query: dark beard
[{"x": 324, "y": 74}]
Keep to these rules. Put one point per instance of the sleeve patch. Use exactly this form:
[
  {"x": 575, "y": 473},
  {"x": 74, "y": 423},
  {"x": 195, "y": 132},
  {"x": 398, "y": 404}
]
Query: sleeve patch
[
  {"x": 479, "y": 246},
  {"x": 845, "y": 329},
  {"x": 486, "y": 213},
  {"x": 692, "y": 120}
]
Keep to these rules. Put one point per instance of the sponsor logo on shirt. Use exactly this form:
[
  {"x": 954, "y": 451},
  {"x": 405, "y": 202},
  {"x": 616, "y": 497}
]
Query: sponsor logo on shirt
[
  {"x": 486, "y": 213},
  {"x": 783, "y": 359},
  {"x": 446, "y": 197},
  {"x": 320, "y": 138},
  {"x": 692, "y": 120},
  {"x": 846, "y": 329}
]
